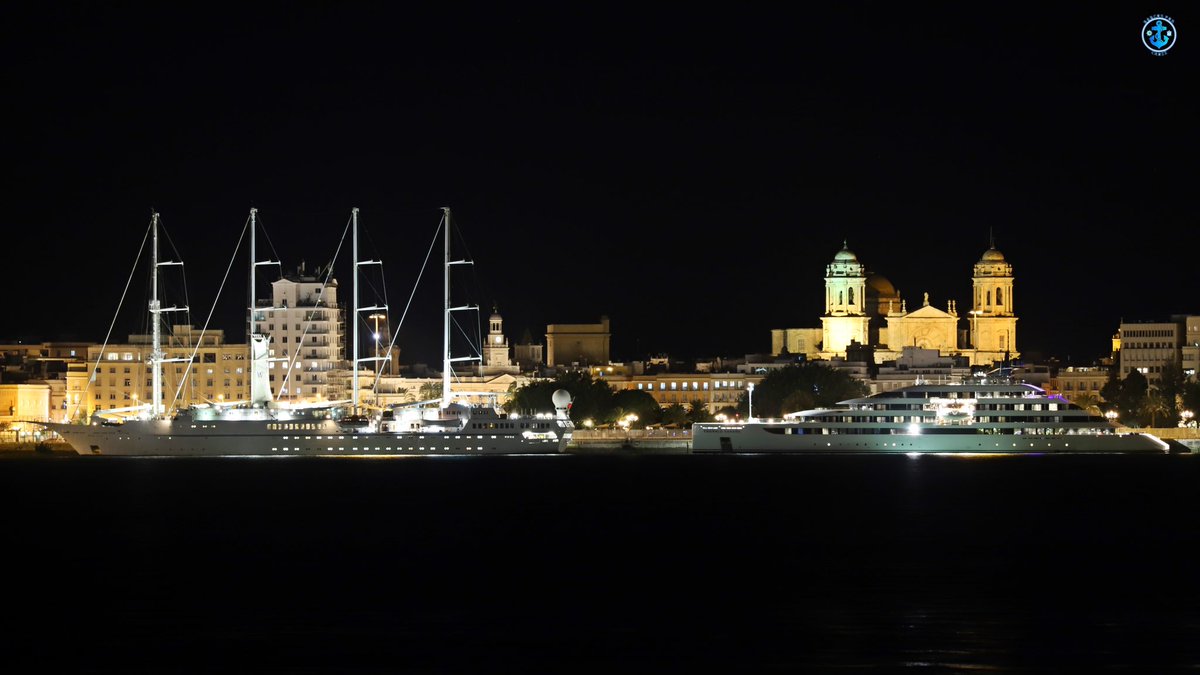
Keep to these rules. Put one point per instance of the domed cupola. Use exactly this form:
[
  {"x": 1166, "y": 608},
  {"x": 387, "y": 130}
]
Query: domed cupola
[
  {"x": 845, "y": 284},
  {"x": 992, "y": 262},
  {"x": 992, "y": 256},
  {"x": 847, "y": 308},
  {"x": 993, "y": 283},
  {"x": 845, "y": 255}
]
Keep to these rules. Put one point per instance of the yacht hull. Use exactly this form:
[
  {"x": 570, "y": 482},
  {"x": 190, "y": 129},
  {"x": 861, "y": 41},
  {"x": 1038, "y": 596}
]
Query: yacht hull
[{"x": 768, "y": 438}]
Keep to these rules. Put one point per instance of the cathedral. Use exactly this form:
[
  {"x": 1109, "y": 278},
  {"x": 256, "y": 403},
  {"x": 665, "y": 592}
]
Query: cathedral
[{"x": 863, "y": 309}]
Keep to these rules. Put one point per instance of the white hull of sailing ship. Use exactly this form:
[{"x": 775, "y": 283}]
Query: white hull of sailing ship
[{"x": 178, "y": 438}]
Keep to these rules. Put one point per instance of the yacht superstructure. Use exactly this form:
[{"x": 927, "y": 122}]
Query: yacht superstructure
[{"x": 979, "y": 415}]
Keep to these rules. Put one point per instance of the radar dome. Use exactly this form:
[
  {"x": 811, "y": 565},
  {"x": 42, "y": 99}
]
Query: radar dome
[{"x": 561, "y": 398}]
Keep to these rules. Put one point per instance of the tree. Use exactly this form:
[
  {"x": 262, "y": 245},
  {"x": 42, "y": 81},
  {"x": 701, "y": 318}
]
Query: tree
[
  {"x": 1111, "y": 391},
  {"x": 698, "y": 412},
  {"x": 430, "y": 391},
  {"x": 590, "y": 398},
  {"x": 1089, "y": 402},
  {"x": 1190, "y": 393},
  {"x": 806, "y": 385},
  {"x": 1154, "y": 405},
  {"x": 1132, "y": 397},
  {"x": 1171, "y": 385},
  {"x": 675, "y": 414},
  {"x": 638, "y": 402}
]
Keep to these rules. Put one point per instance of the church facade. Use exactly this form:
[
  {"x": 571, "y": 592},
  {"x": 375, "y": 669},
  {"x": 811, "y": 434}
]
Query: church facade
[{"x": 863, "y": 309}]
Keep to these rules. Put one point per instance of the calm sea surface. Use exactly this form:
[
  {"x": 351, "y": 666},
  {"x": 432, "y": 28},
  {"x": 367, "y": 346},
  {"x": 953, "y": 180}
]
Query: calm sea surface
[{"x": 601, "y": 564}]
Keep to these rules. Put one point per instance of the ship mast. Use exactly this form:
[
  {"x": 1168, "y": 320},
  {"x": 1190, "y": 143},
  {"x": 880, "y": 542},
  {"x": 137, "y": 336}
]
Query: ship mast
[
  {"x": 156, "y": 312},
  {"x": 156, "y": 353},
  {"x": 253, "y": 302},
  {"x": 447, "y": 359},
  {"x": 257, "y": 343},
  {"x": 446, "y": 305},
  {"x": 358, "y": 310}
]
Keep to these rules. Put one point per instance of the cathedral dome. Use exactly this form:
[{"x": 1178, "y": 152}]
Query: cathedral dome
[
  {"x": 845, "y": 255},
  {"x": 992, "y": 255},
  {"x": 880, "y": 286}
]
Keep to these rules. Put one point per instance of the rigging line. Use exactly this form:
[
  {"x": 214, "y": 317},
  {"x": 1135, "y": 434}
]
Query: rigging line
[
  {"x": 463, "y": 332},
  {"x": 287, "y": 378},
  {"x": 396, "y": 330},
  {"x": 262, "y": 226},
  {"x": 178, "y": 256},
  {"x": 95, "y": 367},
  {"x": 379, "y": 364},
  {"x": 200, "y": 338},
  {"x": 475, "y": 274}
]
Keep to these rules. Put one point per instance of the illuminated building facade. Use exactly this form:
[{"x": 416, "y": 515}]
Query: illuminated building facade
[
  {"x": 578, "y": 343},
  {"x": 1152, "y": 348},
  {"x": 863, "y": 308},
  {"x": 211, "y": 371},
  {"x": 307, "y": 330},
  {"x": 715, "y": 390},
  {"x": 1075, "y": 381}
]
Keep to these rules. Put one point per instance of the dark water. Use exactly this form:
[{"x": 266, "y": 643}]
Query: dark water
[{"x": 602, "y": 564}]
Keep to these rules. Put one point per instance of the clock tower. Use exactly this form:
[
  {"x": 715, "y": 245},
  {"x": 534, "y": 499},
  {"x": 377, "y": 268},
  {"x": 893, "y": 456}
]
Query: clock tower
[{"x": 495, "y": 351}]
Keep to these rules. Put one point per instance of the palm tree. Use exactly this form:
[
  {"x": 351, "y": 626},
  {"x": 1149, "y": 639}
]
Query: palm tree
[
  {"x": 1089, "y": 401},
  {"x": 698, "y": 412},
  {"x": 1154, "y": 405}
]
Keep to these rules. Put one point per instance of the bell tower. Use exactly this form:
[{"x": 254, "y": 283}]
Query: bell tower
[
  {"x": 846, "y": 317},
  {"x": 495, "y": 351},
  {"x": 993, "y": 326}
]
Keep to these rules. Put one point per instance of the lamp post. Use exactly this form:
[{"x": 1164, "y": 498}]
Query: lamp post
[
  {"x": 750, "y": 401},
  {"x": 1185, "y": 418},
  {"x": 1112, "y": 416},
  {"x": 974, "y": 314},
  {"x": 376, "y": 317}
]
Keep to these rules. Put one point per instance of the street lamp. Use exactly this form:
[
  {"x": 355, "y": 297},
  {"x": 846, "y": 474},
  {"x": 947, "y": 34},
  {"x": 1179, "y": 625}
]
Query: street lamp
[
  {"x": 376, "y": 317},
  {"x": 626, "y": 422},
  {"x": 1185, "y": 418},
  {"x": 750, "y": 401},
  {"x": 1112, "y": 416},
  {"x": 974, "y": 314}
]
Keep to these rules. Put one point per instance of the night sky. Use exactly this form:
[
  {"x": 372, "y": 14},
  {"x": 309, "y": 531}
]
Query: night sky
[{"x": 689, "y": 172}]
